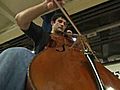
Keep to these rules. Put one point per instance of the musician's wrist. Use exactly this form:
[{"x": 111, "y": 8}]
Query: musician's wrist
[
  {"x": 50, "y": 6},
  {"x": 45, "y": 6}
]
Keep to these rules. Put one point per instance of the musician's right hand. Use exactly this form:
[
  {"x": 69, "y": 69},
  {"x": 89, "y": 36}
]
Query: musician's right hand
[{"x": 51, "y": 4}]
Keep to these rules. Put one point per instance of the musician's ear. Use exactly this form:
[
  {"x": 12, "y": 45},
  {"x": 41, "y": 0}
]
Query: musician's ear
[{"x": 52, "y": 22}]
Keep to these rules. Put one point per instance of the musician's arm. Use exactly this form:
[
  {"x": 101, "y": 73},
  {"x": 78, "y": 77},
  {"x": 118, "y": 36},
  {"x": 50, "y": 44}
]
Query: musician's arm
[{"x": 25, "y": 17}]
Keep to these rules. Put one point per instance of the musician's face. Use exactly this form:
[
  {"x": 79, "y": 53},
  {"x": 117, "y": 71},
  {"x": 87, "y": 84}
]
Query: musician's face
[{"x": 59, "y": 25}]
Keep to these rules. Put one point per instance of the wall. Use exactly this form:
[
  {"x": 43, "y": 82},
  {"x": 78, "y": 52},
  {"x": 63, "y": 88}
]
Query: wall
[{"x": 115, "y": 68}]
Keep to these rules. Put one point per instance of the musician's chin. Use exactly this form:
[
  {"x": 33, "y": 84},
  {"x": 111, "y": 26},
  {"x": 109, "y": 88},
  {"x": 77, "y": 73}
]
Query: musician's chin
[
  {"x": 59, "y": 32},
  {"x": 60, "y": 29}
]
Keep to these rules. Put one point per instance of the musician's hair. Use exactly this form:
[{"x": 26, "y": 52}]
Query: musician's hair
[{"x": 57, "y": 15}]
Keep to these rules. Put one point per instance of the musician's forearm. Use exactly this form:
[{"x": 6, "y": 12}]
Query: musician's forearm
[{"x": 25, "y": 17}]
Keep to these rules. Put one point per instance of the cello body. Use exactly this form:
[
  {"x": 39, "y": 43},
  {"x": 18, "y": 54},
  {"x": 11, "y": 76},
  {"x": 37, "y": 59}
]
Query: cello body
[{"x": 53, "y": 69}]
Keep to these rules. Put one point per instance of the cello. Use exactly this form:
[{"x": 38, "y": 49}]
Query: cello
[{"x": 62, "y": 66}]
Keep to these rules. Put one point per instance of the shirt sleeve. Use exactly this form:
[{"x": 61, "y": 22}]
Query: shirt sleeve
[
  {"x": 34, "y": 32},
  {"x": 38, "y": 35}
]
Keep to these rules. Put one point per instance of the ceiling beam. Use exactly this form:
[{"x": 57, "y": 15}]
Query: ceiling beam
[
  {"x": 103, "y": 28},
  {"x": 5, "y": 11},
  {"x": 12, "y": 33},
  {"x": 74, "y": 6}
]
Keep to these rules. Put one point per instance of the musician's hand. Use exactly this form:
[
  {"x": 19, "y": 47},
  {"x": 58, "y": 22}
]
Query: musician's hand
[
  {"x": 69, "y": 32},
  {"x": 51, "y": 4}
]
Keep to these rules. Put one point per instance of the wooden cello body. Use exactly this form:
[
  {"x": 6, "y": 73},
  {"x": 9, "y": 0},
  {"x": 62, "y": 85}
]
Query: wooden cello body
[{"x": 68, "y": 69}]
